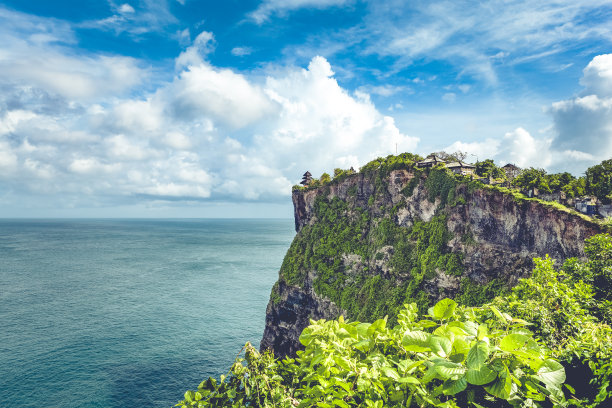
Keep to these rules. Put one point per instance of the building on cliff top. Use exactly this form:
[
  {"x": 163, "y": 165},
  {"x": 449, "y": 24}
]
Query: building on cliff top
[
  {"x": 511, "y": 171},
  {"x": 306, "y": 178},
  {"x": 462, "y": 168},
  {"x": 431, "y": 161}
]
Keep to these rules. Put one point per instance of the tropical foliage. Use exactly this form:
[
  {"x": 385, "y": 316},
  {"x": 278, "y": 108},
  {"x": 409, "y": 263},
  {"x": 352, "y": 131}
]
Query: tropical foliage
[
  {"x": 548, "y": 343},
  {"x": 451, "y": 357}
]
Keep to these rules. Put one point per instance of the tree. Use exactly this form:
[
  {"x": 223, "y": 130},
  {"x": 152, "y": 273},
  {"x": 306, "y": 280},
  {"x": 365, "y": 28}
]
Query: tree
[
  {"x": 451, "y": 157},
  {"x": 487, "y": 168},
  {"x": 575, "y": 188},
  {"x": 558, "y": 181},
  {"x": 533, "y": 178},
  {"x": 599, "y": 181},
  {"x": 325, "y": 178}
]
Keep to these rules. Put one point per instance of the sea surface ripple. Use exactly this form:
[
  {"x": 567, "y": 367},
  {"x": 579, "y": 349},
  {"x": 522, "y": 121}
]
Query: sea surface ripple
[{"x": 127, "y": 313}]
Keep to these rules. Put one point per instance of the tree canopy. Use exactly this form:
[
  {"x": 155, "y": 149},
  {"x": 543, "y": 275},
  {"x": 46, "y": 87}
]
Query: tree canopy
[
  {"x": 487, "y": 168},
  {"x": 599, "y": 181}
]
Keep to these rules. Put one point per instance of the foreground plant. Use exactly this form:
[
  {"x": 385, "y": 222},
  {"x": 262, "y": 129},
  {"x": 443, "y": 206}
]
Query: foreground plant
[{"x": 452, "y": 357}]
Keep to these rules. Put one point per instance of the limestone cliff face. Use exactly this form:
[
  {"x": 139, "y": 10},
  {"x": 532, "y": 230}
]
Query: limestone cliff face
[{"x": 496, "y": 235}]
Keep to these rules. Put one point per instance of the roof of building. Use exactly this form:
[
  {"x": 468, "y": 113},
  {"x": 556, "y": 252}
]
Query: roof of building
[
  {"x": 307, "y": 174},
  {"x": 511, "y": 166},
  {"x": 431, "y": 159},
  {"x": 460, "y": 164}
]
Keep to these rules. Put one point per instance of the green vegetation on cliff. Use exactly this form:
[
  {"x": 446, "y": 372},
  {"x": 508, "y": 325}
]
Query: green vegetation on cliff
[
  {"x": 548, "y": 344},
  {"x": 341, "y": 249}
]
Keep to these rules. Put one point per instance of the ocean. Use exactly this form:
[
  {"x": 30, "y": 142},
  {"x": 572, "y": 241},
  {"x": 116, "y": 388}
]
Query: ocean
[{"x": 129, "y": 313}]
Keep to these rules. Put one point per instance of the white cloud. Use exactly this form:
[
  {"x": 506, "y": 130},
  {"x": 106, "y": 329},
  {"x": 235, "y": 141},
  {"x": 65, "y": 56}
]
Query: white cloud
[
  {"x": 119, "y": 147},
  {"x": 221, "y": 94},
  {"x": 86, "y": 166},
  {"x": 476, "y": 38},
  {"x": 195, "y": 53},
  {"x": 449, "y": 97},
  {"x": 126, "y": 9},
  {"x": 522, "y": 149},
  {"x": 597, "y": 78},
  {"x": 34, "y": 57},
  {"x": 177, "y": 141},
  {"x": 152, "y": 15},
  {"x": 210, "y": 133},
  {"x": 581, "y": 135},
  {"x": 8, "y": 159},
  {"x": 280, "y": 7},
  {"x": 584, "y": 124},
  {"x": 476, "y": 150},
  {"x": 321, "y": 123},
  {"x": 385, "y": 90},
  {"x": 241, "y": 51}
]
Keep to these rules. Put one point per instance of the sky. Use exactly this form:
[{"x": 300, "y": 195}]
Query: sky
[{"x": 189, "y": 108}]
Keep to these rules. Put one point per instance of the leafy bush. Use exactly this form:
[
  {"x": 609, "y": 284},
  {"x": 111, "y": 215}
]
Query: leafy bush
[
  {"x": 387, "y": 164},
  {"x": 452, "y": 357},
  {"x": 571, "y": 313}
]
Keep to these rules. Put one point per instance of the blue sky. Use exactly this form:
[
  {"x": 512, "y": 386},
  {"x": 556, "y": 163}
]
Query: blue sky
[{"x": 186, "y": 108}]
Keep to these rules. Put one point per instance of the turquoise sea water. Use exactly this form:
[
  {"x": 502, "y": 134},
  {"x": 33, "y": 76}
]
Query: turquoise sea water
[{"x": 129, "y": 313}]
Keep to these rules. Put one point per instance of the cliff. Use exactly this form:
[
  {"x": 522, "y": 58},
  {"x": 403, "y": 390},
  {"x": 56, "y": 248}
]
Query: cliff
[{"x": 368, "y": 242}]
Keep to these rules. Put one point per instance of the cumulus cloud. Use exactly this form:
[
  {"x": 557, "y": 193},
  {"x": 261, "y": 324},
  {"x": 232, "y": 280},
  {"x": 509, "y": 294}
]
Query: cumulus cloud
[
  {"x": 37, "y": 64},
  {"x": 518, "y": 147},
  {"x": 522, "y": 149},
  {"x": 476, "y": 150},
  {"x": 196, "y": 52},
  {"x": 221, "y": 94},
  {"x": 597, "y": 78},
  {"x": 581, "y": 131},
  {"x": 584, "y": 124},
  {"x": 209, "y": 134},
  {"x": 125, "y": 9}
]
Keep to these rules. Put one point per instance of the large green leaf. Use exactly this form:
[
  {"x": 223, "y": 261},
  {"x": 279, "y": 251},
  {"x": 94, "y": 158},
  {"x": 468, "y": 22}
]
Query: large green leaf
[
  {"x": 377, "y": 326},
  {"x": 460, "y": 350},
  {"x": 523, "y": 347},
  {"x": 452, "y": 387},
  {"x": 444, "y": 309},
  {"x": 409, "y": 380},
  {"x": 516, "y": 341},
  {"x": 391, "y": 373},
  {"x": 306, "y": 336},
  {"x": 440, "y": 345},
  {"x": 478, "y": 355},
  {"x": 482, "y": 331},
  {"x": 447, "y": 369},
  {"x": 363, "y": 345},
  {"x": 502, "y": 386},
  {"x": 362, "y": 329},
  {"x": 417, "y": 341},
  {"x": 343, "y": 362},
  {"x": 551, "y": 373},
  {"x": 470, "y": 327},
  {"x": 480, "y": 376}
]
